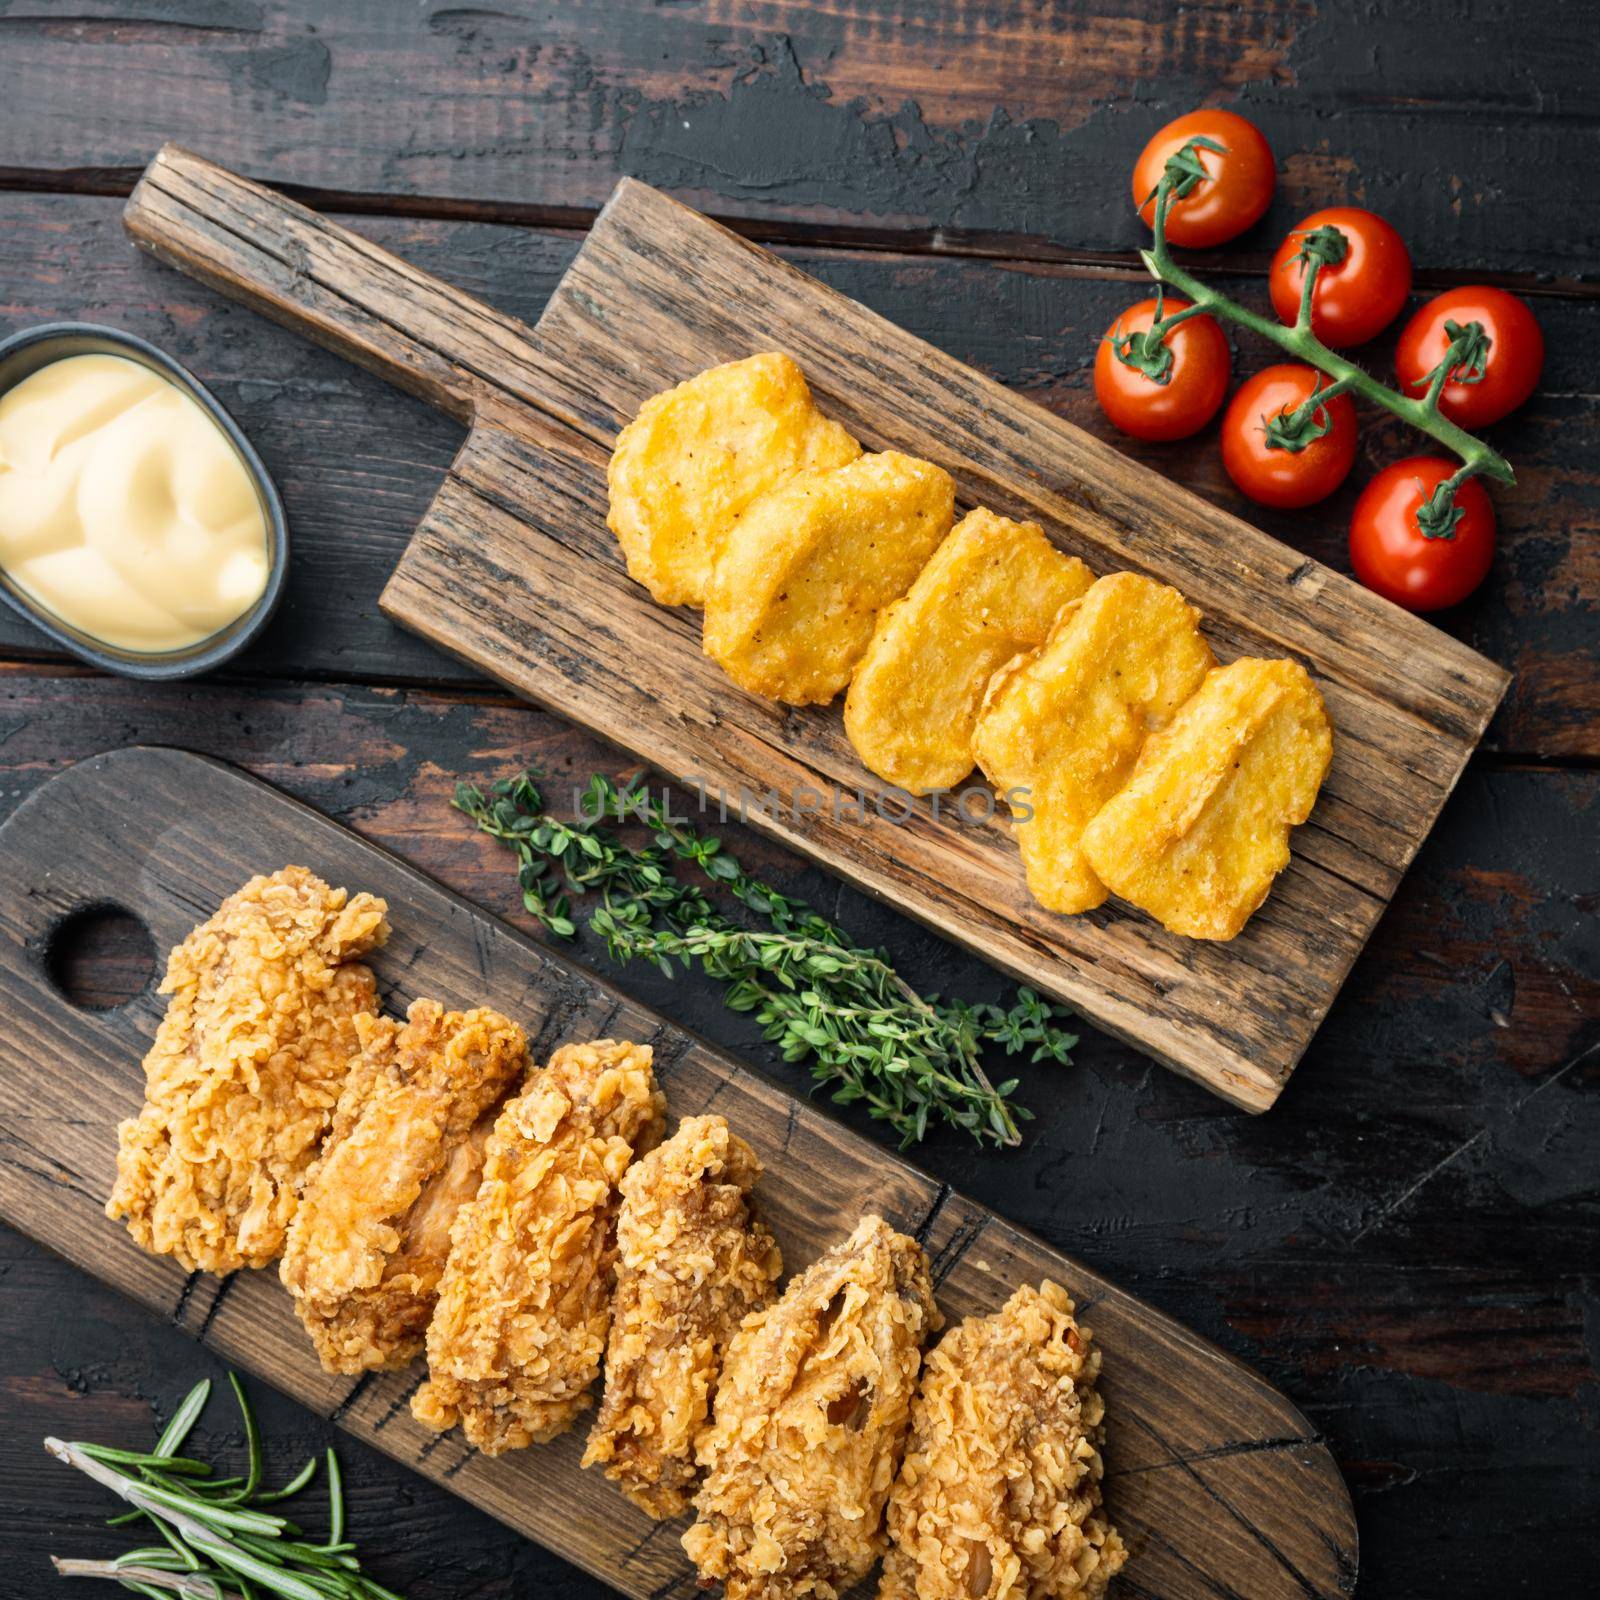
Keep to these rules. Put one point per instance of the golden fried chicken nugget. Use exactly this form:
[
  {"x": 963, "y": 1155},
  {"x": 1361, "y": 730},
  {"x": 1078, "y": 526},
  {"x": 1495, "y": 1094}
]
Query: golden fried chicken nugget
[
  {"x": 811, "y": 1415},
  {"x": 687, "y": 466},
  {"x": 992, "y": 590},
  {"x": 999, "y": 1496},
  {"x": 1062, "y": 727},
  {"x": 1202, "y": 828},
  {"x": 806, "y": 570},
  {"x": 525, "y": 1301},
  {"x": 692, "y": 1263},
  {"x": 246, "y": 1069},
  {"x": 369, "y": 1241}
]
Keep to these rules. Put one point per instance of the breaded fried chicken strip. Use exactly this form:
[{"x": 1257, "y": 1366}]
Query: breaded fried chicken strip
[
  {"x": 691, "y": 1264},
  {"x": 999, "y": 1496},
  {"x": 368, "y": 1245},
  {"x": 245, "y": 1071},
  {"x": 525, "y": 1301},
  {"x": 811, "y": 1416}
]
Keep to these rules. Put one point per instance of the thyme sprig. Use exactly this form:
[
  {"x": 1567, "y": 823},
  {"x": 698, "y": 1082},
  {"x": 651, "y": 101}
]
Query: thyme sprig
[
  {"x": 908, "y": 1059},
  {"x": 217, "y": 1544}
]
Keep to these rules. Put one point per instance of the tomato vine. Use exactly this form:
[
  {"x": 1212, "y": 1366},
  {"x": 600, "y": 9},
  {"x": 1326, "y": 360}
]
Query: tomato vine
[{"x": 1463, "y": 361}]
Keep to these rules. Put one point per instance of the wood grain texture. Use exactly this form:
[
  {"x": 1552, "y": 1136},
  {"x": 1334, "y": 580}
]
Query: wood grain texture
[
  {"x": 655, "y": 294},
  {"x": 357, "y": 462},
  {"x": 1222, "y": 1486},
  {"x": 969, "y": 124}
]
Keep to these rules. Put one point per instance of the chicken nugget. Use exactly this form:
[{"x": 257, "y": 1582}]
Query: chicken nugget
[
  {"x": 1062, "y": 727},
  {"x": 368, "y": 1243},
  {"x": 695, "y": 457},
  {"x": 806, "y": 570},
  {"x": 999, "y": 1495},
  {"x": 992, "y": 590},
  {"x": 1202, "y": 828},
  {"x": 692, "y": 1263},
  {"x": 811, "y": 1416}
]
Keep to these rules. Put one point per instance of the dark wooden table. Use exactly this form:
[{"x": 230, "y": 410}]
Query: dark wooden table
[{"x": 1410, "y": 1243}]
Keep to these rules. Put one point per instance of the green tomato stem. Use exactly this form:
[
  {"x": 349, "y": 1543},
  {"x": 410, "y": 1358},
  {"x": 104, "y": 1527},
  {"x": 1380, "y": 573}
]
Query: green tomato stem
[{"x": 1303, "y": 345}]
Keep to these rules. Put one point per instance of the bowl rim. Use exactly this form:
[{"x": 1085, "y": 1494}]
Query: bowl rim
[{"x": 244, "y": 630}]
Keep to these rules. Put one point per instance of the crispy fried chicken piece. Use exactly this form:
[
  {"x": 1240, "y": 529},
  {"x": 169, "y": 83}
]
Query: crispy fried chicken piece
[
  {"x": 368, "y": 1244},
  {"x": 691, "y": 1263},
  {"x": 525, "y": 1301},
  {"x": 999, "y": 1496},
  {"x": 811, "y": 1416},
  {"x": 245, "y": 1071}
]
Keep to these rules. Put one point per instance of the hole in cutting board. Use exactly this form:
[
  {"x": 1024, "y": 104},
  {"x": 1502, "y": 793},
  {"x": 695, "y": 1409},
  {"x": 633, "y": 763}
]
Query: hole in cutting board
[{"x": 100, "y": 957}]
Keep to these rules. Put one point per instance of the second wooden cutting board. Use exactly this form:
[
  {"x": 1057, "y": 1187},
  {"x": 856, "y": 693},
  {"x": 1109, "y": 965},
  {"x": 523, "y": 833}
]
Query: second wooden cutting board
[
  {"x": 1218, "y": 1484},
  {"x": 514, "y": 570}
]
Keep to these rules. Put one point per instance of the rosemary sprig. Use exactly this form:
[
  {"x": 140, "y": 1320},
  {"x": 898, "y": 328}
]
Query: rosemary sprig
[
  {"x": 908, "y": 1059},
  {"x": 217, "y": 1542}
]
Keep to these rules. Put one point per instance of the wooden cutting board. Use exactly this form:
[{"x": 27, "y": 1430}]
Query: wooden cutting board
[
  {"x": 1219, "y": 1485},
  {"x": 513, "y": 569}
]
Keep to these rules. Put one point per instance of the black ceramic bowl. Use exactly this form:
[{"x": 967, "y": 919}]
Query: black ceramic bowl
[{"x": 20, "y": 357}]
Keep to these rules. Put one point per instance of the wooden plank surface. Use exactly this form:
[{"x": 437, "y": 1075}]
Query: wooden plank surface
[
  {"x": 357, "y": 462},
  {"x": 978, "y": 124},
  {"x": 1217, "y": 1479},
  {"x": 1405, "y": 1244},
  {"x": 657, "y": 293}
]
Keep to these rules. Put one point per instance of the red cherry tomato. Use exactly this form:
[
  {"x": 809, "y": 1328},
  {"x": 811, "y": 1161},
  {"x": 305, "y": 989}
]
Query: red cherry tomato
[
  {"x": 1392, "y": 556},
  {"x": 1273, "y": 473},
  {"x": 1239, "y": 189},
  {"x": 1194, "y": 384},
  {"x": 1356, "y": 298},
  {"x": 1509, "y": 368}
]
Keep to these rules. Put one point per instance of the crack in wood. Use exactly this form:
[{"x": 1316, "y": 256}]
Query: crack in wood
[
  {"x": 352, "y": 1394},
  {"x": 400, "y": 1402},
  {"x": 176, "y": 1318},
  {"x": 921, "y": 1231},
  {"x": 1240, "y": 1447},
  {"x": 957, "y": 1247},
  {"x": 223, "y": 1290}
]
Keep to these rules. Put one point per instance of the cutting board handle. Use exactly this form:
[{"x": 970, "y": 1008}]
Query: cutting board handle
[{"x": 335, "y": 287}]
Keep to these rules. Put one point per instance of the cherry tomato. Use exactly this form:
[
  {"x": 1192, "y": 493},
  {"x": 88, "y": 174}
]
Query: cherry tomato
[
  {"x": 1355, "y": 299},
  {"x": 1390, "y": 553},
  {"x": 1195, "y": 382},
  {"x": 1510, "y": 367},
  {"x": 1274, "y": 474},
  {"x": 1233, "y": 198}
]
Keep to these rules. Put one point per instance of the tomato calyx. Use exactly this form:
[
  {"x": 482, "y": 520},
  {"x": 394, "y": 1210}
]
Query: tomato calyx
[
  {"x": 1145, "y": 352},
  {"x": 1309, "y": 421},
  {"x": 1439, "y": 514},
  {"x": 1148, "y": 352},
  {"x": 1185, "y": 168},
  {"x": 1326, "y": 246},
  {"x": 1466, "y": 361}
]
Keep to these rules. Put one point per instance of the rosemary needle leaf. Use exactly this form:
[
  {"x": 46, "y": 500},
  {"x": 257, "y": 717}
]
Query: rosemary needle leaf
[
  {"x": 153, "y": 1555},
  {"x": 183, "y": 1419},
  {"x": 174, "y": 1466},
  {"x": 252, "y": 1439},
  {"x": 299, "y": 1481},
  {"x": 274, "y": 1579},
  {"x": 335, "y": 1500}
]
